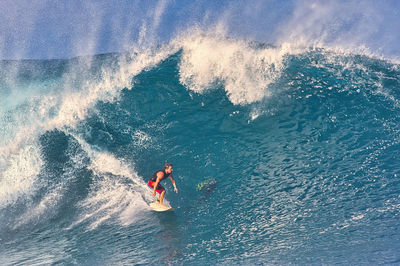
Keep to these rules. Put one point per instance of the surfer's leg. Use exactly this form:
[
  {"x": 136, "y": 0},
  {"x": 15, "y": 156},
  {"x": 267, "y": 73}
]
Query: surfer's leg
[
  {"x": 161, "y": 197},
  {"x": 161, "y": 191}
]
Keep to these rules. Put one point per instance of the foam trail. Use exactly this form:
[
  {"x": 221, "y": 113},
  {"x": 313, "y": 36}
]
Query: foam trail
[{"x": 117, "y": 192}]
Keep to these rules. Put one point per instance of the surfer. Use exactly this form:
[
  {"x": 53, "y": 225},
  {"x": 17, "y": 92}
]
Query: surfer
[{"x": 157, "y": 177}]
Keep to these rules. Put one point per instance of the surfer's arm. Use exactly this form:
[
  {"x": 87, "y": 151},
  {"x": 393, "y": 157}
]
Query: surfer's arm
[{"x": 173, "y": 183}]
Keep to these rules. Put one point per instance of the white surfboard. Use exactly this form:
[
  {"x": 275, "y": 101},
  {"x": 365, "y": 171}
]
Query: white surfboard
[{"x": 160, "y": 207}]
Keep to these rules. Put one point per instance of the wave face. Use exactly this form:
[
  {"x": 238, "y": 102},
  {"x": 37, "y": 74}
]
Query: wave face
[{"x": 281, "y": 155}]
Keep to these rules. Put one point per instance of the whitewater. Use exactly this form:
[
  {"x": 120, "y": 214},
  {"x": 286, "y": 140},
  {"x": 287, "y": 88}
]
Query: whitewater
[{"x": 283, "y": 154}]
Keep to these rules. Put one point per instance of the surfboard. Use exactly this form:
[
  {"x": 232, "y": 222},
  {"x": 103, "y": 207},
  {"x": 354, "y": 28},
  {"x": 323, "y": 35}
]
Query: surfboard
[{"x": 160, "y": 207}]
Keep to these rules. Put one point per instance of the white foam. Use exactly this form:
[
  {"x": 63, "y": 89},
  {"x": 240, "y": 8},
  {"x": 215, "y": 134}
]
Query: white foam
[
  {"x": 244, "y": 70},
  {"x": 141, "y": 139},
  {"x": 20, "y": 175},
  {"x": 75, "y": 105}
]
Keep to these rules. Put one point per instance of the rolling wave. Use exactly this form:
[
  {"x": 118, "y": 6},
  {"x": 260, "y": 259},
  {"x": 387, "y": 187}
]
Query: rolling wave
[{"x": 301, "y": 145}]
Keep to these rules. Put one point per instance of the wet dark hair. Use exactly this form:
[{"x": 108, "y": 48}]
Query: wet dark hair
[{"x": 167, "y": 165}]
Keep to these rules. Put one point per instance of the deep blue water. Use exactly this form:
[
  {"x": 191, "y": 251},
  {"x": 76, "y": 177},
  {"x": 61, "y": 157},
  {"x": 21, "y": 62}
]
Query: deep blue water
[{"x": 302, "y": 149}]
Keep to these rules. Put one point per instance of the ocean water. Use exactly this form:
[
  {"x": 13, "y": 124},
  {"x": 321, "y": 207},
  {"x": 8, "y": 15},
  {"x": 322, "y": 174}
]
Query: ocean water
[{"x": 282, "y": 155}]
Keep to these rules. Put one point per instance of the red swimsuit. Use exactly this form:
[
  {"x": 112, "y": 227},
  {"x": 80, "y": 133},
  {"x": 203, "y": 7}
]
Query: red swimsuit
[{"x": 153, "y": 180}]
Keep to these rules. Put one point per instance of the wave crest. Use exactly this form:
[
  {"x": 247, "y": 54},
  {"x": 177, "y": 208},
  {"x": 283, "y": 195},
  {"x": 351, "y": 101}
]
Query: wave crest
[{"x": 243, "y": 68}]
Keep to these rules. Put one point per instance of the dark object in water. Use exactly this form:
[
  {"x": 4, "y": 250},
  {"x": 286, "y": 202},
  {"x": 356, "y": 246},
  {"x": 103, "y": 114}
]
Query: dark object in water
[{"x": 207, "y": 186}]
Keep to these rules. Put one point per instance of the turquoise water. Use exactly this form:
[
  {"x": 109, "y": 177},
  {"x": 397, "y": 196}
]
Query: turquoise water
[{"x": 302, "y": 148}]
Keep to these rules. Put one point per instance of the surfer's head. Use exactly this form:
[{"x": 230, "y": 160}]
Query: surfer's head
[{"x": 168, "y": 168}]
